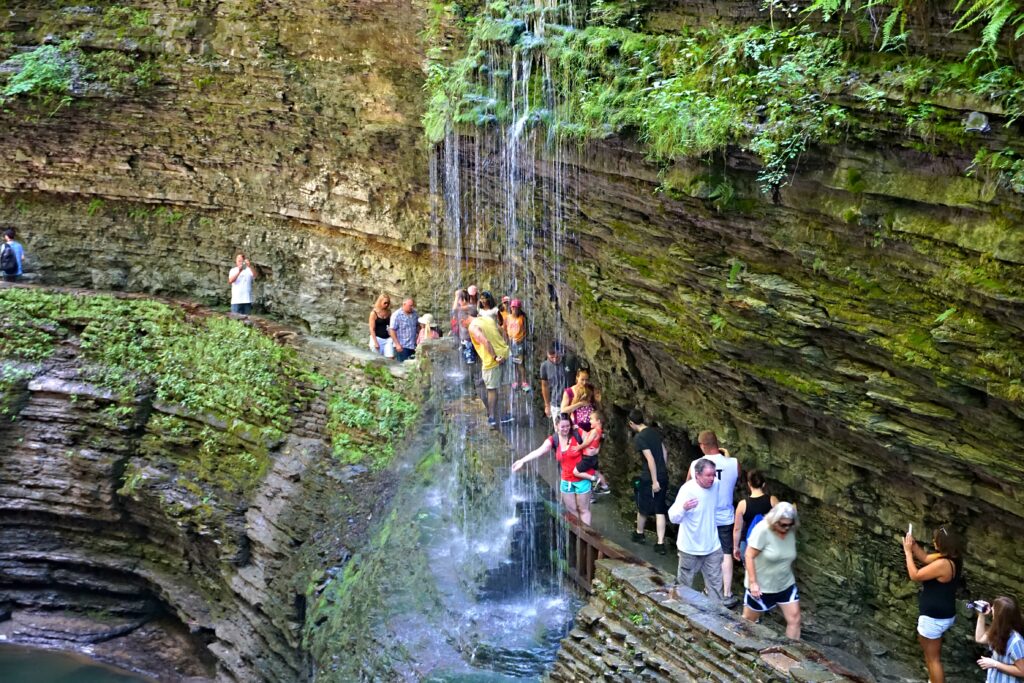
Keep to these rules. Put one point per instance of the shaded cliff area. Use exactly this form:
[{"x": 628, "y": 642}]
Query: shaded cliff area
[
  {"x": 176, "y": 487},
  {"x": 776, "y": 231},
  {"x": 151, "y": 140}
]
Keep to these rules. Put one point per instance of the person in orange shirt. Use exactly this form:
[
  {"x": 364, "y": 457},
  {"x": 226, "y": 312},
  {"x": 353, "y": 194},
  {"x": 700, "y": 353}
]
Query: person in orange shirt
[{"x": 515, "y": 328}]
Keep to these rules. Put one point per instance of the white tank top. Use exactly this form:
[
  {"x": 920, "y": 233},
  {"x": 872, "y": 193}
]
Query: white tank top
[{"x": 727, "y": 471}]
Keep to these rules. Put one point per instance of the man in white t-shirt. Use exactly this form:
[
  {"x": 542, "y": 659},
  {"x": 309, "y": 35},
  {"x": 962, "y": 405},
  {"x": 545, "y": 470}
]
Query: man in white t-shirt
[
  {"x": 727, "y": 470},
  {"x": 697, "y": 541},
  {"x": 240, "y": 278}
]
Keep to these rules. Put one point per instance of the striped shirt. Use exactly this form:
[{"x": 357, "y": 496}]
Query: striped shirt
[{"x": 1014, "y": 652}]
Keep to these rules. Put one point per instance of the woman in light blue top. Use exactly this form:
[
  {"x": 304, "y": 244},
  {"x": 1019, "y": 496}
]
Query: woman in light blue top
[{"x": 1006, "y": 665}]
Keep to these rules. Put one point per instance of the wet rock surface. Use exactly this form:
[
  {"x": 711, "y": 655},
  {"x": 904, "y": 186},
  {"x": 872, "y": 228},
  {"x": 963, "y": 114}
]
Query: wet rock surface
[
  {"x": 142, "y": 569},
  {"x": 638, "y": 627}
]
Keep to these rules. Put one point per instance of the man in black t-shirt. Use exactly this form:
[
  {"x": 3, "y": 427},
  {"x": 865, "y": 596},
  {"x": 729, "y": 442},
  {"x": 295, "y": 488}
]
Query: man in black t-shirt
[{"x": 650, "y": 494}]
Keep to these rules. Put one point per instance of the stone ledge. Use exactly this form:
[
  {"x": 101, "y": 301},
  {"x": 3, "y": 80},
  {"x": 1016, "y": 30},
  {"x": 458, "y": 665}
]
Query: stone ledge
[{"x": 638, "y": 625}]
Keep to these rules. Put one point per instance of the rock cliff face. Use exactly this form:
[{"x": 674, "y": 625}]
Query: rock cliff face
[
  {"x": 855, "y": 332},
  {"x": 174, "y": 539},
  {"x": 288, "y": 130}
]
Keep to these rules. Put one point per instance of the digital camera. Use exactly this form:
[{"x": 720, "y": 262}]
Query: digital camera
[{"x": 980, "y": 606}]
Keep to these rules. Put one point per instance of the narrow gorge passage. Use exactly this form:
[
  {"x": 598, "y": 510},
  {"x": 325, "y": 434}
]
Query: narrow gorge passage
[{"x": 795, "y": 224}]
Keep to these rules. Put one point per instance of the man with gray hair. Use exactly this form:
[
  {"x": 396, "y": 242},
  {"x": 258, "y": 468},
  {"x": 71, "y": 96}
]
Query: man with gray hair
[{"x": 697, "y": 541}]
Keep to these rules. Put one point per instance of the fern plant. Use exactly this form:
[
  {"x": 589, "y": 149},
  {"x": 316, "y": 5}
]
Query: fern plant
[
  {"x": 44, "y": 73},
  {"x": 997, "y": 15}
]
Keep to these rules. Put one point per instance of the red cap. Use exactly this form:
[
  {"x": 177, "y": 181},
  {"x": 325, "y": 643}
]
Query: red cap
[{"x": 517, "y": 303}]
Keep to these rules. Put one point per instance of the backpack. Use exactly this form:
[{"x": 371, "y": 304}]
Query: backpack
[
  {"x": 8, "y": 261},
  {"x": 754, "y": 522}
]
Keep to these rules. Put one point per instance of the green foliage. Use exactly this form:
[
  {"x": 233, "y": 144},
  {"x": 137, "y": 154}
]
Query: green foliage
[
  {"x": 1005, "y": 168},
  {"x": 363, "y": 422},
  {"x": 123, "y": 18},
  {"x": 945, "y": 315},
  {"x": 996, "y": 15},
  {"x": 211, "y": 370},
  {"x": 347, "y": 620},
  {"x": 619, "y": 12},
  {"x": 686, "y": 95},
  {"x": 53, "y": 75},
  {"x": 119, "y": 72},
  {"x": 6, "y": 44},
  {"x": 44, "y": 74}
]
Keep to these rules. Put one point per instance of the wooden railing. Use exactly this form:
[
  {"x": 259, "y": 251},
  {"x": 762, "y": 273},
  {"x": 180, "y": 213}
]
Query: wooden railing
[{"x": 584, "y": 547}]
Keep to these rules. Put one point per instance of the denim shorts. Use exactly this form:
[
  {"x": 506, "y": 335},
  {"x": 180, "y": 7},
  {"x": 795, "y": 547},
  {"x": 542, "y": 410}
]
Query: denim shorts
[{"x": 932, "y": 628}]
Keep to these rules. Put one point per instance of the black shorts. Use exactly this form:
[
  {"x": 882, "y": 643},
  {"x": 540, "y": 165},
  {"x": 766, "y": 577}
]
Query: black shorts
[
  {"x": 649, "y": 503},
  {"x": 768, "y": 601},
  {"x": 725, "y": 536},
  {"x": 587, "y": 463}
]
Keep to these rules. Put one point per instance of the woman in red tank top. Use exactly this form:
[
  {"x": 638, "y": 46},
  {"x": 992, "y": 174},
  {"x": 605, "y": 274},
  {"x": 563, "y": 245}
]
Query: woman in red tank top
[{"x": 575, "y": 491}]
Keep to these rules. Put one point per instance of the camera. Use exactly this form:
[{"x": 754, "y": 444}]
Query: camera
[{"x": 980, "y": 606}]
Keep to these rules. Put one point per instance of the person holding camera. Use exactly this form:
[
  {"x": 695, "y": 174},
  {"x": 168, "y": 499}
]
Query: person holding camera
[
  {"x": 939, "y": 575},
  {"x": 240, "y": 278},
  {"x": 1006, "y": 664}
]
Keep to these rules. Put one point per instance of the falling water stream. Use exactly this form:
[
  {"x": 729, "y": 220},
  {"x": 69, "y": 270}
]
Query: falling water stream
[{"x": 496, "y": 220}]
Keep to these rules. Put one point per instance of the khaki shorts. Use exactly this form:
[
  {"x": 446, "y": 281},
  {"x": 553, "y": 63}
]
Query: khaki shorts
[{"x": 496, "y": 376}]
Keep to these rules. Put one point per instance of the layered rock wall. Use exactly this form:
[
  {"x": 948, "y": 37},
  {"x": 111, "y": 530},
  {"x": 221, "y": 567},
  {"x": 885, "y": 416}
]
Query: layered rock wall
[
  {"x": 113, "y": 542},
  {"x": 855, "y": 333},
  {"x": 288, "y": 130}
]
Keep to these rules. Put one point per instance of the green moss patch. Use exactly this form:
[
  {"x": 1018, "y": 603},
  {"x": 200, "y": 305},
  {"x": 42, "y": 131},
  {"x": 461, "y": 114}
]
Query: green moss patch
[{"x": 363, "y": 422}]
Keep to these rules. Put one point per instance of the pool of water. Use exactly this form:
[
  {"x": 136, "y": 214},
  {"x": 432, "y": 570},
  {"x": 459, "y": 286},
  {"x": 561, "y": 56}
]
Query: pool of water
[{"x": 28, "y": 665}]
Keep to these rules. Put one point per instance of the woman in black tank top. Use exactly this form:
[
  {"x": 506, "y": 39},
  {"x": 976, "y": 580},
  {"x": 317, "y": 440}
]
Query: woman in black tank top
[
  {"x": 757, "y": 503},
  {"x": 939, "y": 575}
]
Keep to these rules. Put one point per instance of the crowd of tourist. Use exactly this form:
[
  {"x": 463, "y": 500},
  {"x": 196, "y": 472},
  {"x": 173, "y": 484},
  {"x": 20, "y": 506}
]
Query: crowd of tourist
[
  {"x": 714, "y": 532},
  {"x": 759, "y": 532}
]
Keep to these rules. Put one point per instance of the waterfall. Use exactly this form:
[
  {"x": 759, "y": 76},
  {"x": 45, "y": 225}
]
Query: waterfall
[{"x": 502, "y": 193}]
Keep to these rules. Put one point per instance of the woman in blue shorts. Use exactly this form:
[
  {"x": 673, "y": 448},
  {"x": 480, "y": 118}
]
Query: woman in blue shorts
[
  {"x": 939, "y": 576},
  {"x": 771, "y": 550},
  {"x": 565, "y": 444}
]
